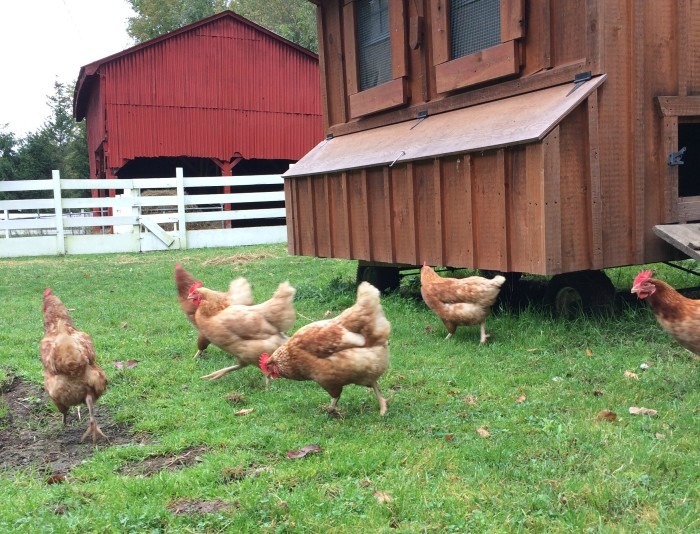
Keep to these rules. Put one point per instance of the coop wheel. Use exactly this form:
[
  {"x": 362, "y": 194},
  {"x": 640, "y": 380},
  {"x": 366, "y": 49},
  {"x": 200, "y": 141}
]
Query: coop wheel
[
  {"x": 383, "y": 278},
  {"x": 571, "y": 294}
]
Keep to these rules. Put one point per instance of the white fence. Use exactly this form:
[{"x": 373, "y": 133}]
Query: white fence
[{"x": 141, "y": 222}]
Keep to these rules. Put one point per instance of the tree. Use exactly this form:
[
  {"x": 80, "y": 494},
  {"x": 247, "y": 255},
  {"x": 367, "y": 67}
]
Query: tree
[{"x": 292, "y": 19}]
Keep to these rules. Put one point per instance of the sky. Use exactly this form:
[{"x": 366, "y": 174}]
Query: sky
[{"x": 47, "y": 40}]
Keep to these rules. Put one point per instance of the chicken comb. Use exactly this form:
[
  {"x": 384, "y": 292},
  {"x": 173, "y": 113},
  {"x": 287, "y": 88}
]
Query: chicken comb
[
  {"x": 196, "y": 285},
  {"x": 264, "y": 358},
  {"x": 643, "y": 277},
  {"x": 47, "y": 291}
]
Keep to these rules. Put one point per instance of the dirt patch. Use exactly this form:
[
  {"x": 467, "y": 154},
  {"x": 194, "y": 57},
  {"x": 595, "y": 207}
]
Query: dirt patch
[
  {"x": 32, "y": 434},
  {"x": 158, "y": 462},
  {"x": 187, "y": 507},
  {"x": 238, "y": 259}
]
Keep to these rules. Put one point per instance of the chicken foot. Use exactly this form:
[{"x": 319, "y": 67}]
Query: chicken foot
[
  {"x": 92, "y": 428},
  {"x": 382, "y": 400},
  {"x": 221, "y": 372},
  {"x": 484, "y": 335}
]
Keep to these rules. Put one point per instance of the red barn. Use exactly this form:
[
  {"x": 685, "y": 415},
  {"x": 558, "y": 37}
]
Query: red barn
[{"x": 219, "y": 96}]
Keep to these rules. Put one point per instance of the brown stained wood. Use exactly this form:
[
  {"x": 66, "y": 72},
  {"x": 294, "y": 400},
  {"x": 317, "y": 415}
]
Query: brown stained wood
[
  {"x": 289, "y": 203},
  {"x": 365, "y": 205},
  {"x": 574, "y": 192},
  {"x": 684, "y": 50},
  {"x": 326, "y": 66},
  {"x": 693, "y": 60},
  {"x": 489, "y": 64},
  {"x": 397, "y": 22},
  {"x": 388, "y": 213},
  {"x": 310, "y": 215},
  {"x": 347, "y": 213},
  {"x": 593, "y": 50},
  {"x": 537, "y": 46},
  {"x": 385, "y": 96},
  {"x": 441, "y": 29},
  {"x": 322, "y": 223},
  {"x": 415, "y": 32},
  {"x": 670, "y": 189},
  {"x": 339, "y": 225},
  {"x": 488, "y": 208},
  {"x": 379, "y": 215},
  {"x": 595, "y": 200},
  {"x": 350, "y": 48},
  {"x": 503, "y": 89},
  {"x": 530, "y": 255},
  {"x": 438, "y": 200},
  {"x": 329, "y": 212},
  {"x": 427, "y": 213},
  {"x": 552, "y": 205},
  {"x": 512, "y": 19},
  {"x": 403, "y": 214},
  {"x": 457, "y": 211},
  {"x": 639, "y": 93},
  {"x": 685, "y": 237},
  {"x": 330, "y": 31},
  {"x": 357, "y": 204},
  {"x": 688, "y": 209},
  {"x": 569, "y": 35},
  {"x": 679, "y": 106}
]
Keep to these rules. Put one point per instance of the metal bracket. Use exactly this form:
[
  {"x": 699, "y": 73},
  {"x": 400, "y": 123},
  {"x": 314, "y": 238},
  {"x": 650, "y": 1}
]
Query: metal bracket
[
  {"x": 579, "y": 80},
  {"x": 676, "y": 158},
  {"x": 422, "y": 115}
]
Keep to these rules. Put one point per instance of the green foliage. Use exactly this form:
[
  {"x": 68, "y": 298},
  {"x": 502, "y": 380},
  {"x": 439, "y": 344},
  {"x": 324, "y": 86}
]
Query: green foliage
[
  {"x": 549, "y": 465},
  {"x": 292, "y": 19}
]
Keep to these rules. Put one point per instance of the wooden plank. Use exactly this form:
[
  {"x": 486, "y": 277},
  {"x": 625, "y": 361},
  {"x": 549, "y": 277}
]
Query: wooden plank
[
  {"x": 289, "y": 210},
  {"x": 440, "y": 25},
  {"x": 339, "y": 226},
  {"x": 688, "y": 208},
  {"x": 457, "y": 212},
  {"x": 685, "y": 237},
  {"x": 684, "y": 50},
  {"x": 552, "y": 205},
  {"x": 489, "y": 207},
  {"x": 385, "y": 96},
  {"x": 670, "y": 189},
  {"x": 347, "y": 212},
  {"x": 389, "y": 211},
  {"x": 488, "y": 64},
  {"x": 322, "y": 226},
  {"x": 310, "y": 214},
  {"x": 156, "y": 230},
  {"x": 596, "y": 192},
  {"x": 332, "y": 64},
  {"x": 379, "y": 213},
  {"x": 512, "y": 19},
  {"x": 529, "y": 256},
  {"x": 594, "y": 34},
  {"x": 326, "y": 41},
  {"x": 537, "y": 49},
  {"x": 359, "y": 228},
  {"x": 397, "y": 39},
  {"x": 350, "y": 48},
  {"x": 427, "y": 209},
  {"x": 679, "y": 106},
  {"x": 641, "y": 87},
  {"x": 327, "y": 203},
  {"x": 403, "y": 214},
  {"x": 438, "y": 200}
]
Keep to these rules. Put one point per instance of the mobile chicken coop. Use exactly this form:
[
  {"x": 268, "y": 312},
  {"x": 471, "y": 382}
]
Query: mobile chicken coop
[{"x": 521, "y": 136}]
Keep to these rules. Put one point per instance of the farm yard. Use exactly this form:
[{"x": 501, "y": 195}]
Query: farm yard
[{"x": 510, "y": 436}]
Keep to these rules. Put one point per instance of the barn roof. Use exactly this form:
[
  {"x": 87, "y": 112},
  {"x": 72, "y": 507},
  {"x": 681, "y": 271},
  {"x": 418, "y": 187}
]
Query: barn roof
[
  {"x": 88, "y": 72},
  {"x": 510, "y": 121}
]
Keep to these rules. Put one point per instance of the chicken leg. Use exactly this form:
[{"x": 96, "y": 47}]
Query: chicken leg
[
  {"x": 221, "y": 372},
  {"x": 92, "y": 428},
  {"x": 382, "y": 400}
]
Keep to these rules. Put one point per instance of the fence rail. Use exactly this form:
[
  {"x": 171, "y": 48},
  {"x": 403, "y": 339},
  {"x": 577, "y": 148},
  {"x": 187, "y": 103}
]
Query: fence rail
[{"x": 138, "y": 222}]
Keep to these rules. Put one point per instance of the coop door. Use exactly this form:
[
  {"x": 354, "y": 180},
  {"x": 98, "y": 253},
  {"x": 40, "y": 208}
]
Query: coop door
[{"x": 686, "y": 162}]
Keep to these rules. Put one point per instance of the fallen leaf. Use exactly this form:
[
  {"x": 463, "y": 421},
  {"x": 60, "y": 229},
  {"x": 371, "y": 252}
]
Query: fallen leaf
[
  {"x": 589, "y": 352},
  {"x": 642, "y": 411},
  {"x": 483, "y": 432},
  {"x": 470, "y": 400},
  {"x": 630, "y": 374},
  {"x": 235, "y": 398},
  {"x": 520, "y": 399},
  {"x": 293, "y": 455},
  {"x": 56, "y": 478},
  {"x": 381, "y": 496},
  {"x": 449, "y": 437},
  {"x": 123, "y": 325},
  {"x": 401, "y": 377},
  {"x": 245, "y": 411},
  {"x": 86, "y": 275},
  {"x": 128, "y": 364},
  {"x": 659, "y": 435},
  {"x": 606, "y": 415}
]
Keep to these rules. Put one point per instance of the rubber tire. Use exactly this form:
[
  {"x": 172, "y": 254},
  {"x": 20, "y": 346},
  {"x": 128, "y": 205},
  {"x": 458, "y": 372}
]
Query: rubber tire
[
  {"x": 385, "y": 279},
  {"x": 572, "y": 294}
]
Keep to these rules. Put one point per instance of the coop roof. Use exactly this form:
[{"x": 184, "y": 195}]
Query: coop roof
[{"x": 510, "y": 121}]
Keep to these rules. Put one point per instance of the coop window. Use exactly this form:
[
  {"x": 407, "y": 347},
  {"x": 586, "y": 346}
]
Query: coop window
[
  {"x": 480, "y": 42},
  {"x": 689, "y": 171},
  {"x": 374, "y": 47},
  {"x": 474, "y": 25},
  {"x": 375, "y": 55}
]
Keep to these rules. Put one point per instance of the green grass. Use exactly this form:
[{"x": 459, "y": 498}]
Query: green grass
[{"x": 548, "y": 464}]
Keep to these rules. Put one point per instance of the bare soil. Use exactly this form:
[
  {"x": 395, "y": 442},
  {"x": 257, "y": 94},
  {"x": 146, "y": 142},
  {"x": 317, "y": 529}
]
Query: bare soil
[{"x": 32, "y": 434}]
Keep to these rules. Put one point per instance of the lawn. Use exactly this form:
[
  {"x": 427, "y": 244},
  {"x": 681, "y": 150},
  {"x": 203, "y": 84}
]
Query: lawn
[{"x": 497, "y": 438}]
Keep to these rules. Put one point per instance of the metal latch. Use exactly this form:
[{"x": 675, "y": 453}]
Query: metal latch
[
  {"x": 579, "y": 80},
  {"x": 676, "y": 158},
  {"x": 422, "y": 115}
]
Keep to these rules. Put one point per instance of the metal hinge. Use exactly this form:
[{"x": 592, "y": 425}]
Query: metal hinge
[
  {"x": 676, "y": 158},
  {"x": 579, "y": 80}
]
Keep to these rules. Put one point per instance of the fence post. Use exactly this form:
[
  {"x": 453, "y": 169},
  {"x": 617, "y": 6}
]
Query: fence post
[
  {"x": 182, "y": 226},
  {"x": 58, "y": 212}
]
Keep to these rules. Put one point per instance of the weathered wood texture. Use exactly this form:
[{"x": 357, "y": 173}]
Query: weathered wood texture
[{"x": 585, "y": 197}]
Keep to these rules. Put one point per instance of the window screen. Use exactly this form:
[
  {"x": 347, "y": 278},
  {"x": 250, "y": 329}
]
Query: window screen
[
  {"x": 474, "y": 25},
  {"x": 374, "y": 48}
]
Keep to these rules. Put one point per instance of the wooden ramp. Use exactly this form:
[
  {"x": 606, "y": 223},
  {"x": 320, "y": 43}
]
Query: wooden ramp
[{"x": 685, "y": 237}]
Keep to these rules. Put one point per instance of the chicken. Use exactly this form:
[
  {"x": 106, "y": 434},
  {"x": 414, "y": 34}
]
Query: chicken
[
  {"x": 239, "y": 292},
  {"x": 679, "y": 316},
  {"x": 243, "y": 331},
  {"x": 460, "y": 301},
  {"x": 351, "y": 348},
  {"x": 71, "y": 374}
]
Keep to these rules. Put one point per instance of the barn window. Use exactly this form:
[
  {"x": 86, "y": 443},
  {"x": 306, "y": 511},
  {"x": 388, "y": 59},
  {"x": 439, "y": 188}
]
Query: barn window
[
  {"x": 373, "y": 45},
  {"x": 375, "y": 55},
  {"x": 476, "y": 41}
]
